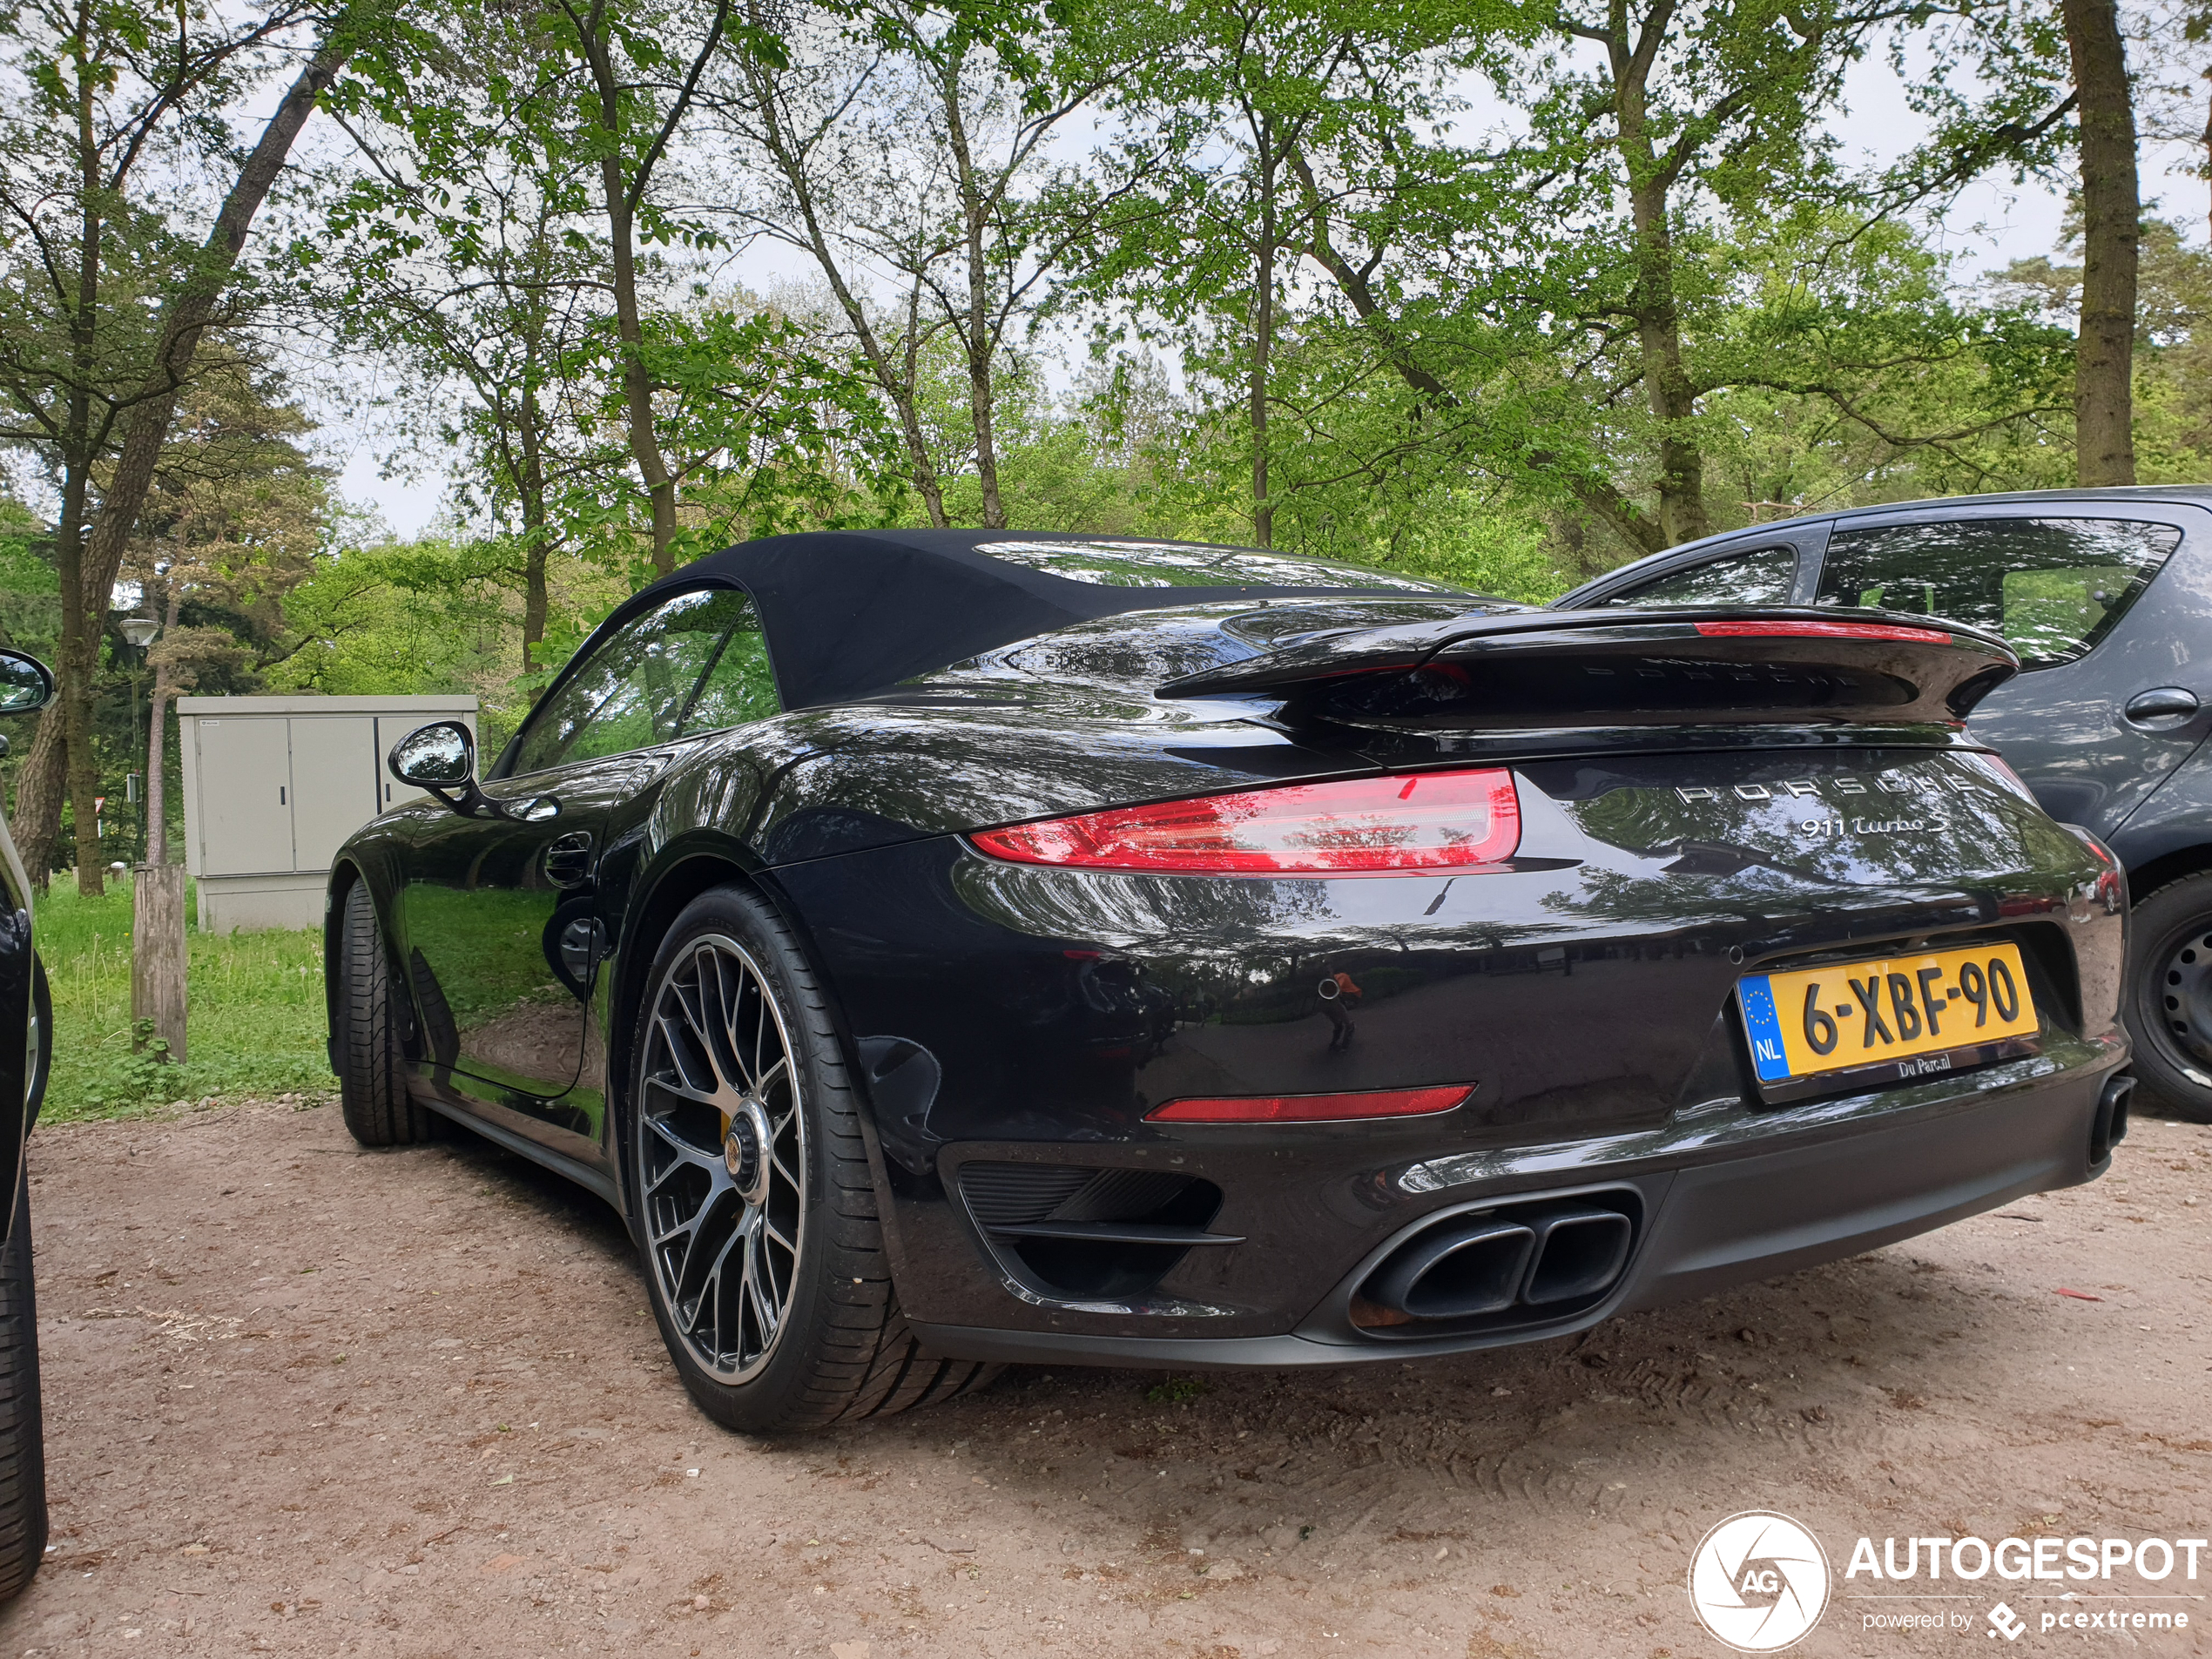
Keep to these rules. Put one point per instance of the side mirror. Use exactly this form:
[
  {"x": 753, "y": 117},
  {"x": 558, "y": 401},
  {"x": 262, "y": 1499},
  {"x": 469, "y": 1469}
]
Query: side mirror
[
  {"x": 26, "y": 684},
  {"x": 442, "y": 757}
]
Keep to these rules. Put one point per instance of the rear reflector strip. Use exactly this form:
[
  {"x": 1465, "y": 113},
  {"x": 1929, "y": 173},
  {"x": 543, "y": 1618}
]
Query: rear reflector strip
[
  {"x": 1786, "y": 629},
  {"x": 1312, "y": 1108}
]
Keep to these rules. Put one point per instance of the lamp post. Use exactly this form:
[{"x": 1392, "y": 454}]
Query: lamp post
[{"x": 138, "y": 632}]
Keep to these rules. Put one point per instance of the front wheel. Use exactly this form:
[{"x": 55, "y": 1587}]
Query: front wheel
[
  {"x": 371, "y": 1074},
  {"x": 752, "y": 1203},
  {"x": 22, "y": 1436},
  {"x": 2169, "y": 999}
]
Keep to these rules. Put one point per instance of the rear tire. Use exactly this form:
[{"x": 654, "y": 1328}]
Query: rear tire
[
  {"x": 371, "y": 1079},
  {"x": 2169, "y": 1005},
  {"x": 22, "y": 1436},
  {"x": 753, "y": 1163}
]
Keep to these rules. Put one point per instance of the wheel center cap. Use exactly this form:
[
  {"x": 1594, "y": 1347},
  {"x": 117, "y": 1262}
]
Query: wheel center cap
[{"x": 744, "y": 1152}]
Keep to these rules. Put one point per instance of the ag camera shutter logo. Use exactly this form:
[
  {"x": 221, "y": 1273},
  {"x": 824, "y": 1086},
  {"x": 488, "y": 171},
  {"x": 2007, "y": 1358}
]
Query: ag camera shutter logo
[{"x": 1759, "y": 1582}]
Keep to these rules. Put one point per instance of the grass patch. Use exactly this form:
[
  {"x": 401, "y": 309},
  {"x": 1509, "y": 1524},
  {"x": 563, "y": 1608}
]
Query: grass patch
[
  {"x": 255, "y": 1017},
  {"x": 1177, "y": 1390}
]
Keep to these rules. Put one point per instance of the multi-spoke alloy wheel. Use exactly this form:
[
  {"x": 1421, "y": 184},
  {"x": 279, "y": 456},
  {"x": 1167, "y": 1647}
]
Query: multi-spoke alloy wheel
[
  {"x": 749, "y": 1188},
  {"x": 722, "y": 1156}
]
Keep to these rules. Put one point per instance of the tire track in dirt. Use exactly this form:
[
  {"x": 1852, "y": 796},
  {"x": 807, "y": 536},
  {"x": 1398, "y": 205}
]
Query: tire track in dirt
[{"x": 308, "y": 1401}]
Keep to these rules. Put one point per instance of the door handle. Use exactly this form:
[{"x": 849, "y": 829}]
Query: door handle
[{"x": 2162, "y": 706}]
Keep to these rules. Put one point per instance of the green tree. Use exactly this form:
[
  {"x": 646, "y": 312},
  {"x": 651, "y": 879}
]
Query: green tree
[
  {"x": 433, "y": 615},
  {"x": 2172, "y": 394},
  {"x": 1256, "y": 137},
  {"x": 1685, "y": 117},
  {"x": 112, "y": 275},
  {"x": 459, "y": 245},
  {"x": 763, "y": 427},
  {"x": 914, "y": 140},
  {"x": 638, "y": 67},
  {"x": 236, "y": 518},
  {"x": 2111, "y": 215}
]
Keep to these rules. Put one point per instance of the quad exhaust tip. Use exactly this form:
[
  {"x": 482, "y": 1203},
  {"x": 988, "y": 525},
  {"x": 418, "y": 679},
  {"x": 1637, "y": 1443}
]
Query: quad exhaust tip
[
  {"x": 1457, "y": 1272},
  {"x": 2110, "y": 1127},
  {"x": 1535, "y": 1256}
]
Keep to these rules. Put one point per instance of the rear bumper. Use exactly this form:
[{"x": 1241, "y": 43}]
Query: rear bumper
[{"x": 1729, "y": 1198}]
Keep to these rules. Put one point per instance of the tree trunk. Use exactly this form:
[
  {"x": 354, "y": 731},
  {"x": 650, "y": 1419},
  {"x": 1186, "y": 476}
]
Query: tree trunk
[
  {"x": 1621, "y": 514},
  {"x": 145, "y": 428},
  {"x": 38, "y": 797},
  {"x": 80, "y": 670},
  {"x": 79, "y": 658},
  {"x": 532, "y": 490},
  {"x": 976, "y": 334},
  {"x": 637, "y": 381},
  {"x": 1657, "y": 314},
  {"x": 43, "y": 783},
  {"x": 76, "y": 667},
  {"x": 49, "y": 774},
  {"x": 1262, "y": 338},
  {"x": 1263, "y": 331},
  {"x": 2104, "y": 363},
  {"x": 594, "y": 40},
  {"x": 1673, "y": 401},
  {"x": 165, "y": 687},
  {"x": 896, "y": 376}
]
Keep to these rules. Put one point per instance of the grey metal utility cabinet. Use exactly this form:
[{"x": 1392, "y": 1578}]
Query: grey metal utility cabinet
[{"x": 274, "y": 784}]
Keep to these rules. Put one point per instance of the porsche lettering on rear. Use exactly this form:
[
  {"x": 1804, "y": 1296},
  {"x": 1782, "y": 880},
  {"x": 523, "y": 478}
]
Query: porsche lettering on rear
[{"x": 1918, "y": 781}]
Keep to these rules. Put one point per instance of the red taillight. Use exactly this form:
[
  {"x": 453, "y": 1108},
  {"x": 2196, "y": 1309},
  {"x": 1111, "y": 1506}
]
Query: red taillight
[
  {"x": 1312, "y": 1108},
  {"x": 1423, "y": 820},
  {"x": 1784, "y": 629}
]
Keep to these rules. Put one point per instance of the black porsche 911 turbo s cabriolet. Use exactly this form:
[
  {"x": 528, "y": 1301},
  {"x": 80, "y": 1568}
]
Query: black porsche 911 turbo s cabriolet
[{"x": 952, "y": 948}]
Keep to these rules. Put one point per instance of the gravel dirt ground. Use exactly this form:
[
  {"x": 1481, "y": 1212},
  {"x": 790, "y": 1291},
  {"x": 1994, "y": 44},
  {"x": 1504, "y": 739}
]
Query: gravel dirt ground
[{"x": 305, "y": 1400}]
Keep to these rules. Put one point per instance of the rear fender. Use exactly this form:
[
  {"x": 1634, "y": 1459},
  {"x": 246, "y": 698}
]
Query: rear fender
[{"x": 2170, "y": 836}]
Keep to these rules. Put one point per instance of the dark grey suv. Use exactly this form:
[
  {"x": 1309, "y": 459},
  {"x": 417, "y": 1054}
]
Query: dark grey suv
[{"x": 2106, "y": 596}]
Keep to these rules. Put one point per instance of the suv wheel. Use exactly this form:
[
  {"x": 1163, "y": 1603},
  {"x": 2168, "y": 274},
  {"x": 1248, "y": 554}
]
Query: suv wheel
[
  {"x": 2169, "y": 1003},
  {"x": 754, "y": 1209}
]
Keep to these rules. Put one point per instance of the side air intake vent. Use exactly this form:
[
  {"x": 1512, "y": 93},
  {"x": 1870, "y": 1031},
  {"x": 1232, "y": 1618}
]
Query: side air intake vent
[
  {"x": 1071, "y": 1233},
  {"x": 1525, "y": 1263}
]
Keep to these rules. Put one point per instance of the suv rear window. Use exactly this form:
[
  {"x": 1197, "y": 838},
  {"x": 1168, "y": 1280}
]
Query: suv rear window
[
  {"x": 1765, "y": 576},
  {"x": 2052, "y": 587}
]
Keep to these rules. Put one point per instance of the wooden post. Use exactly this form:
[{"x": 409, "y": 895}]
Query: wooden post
[{"x": 158, "y": 953}]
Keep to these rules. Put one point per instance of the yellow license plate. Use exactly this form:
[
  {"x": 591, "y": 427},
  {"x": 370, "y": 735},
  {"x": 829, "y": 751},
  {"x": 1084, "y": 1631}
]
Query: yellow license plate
[{"x": 1846, "y": 1015}]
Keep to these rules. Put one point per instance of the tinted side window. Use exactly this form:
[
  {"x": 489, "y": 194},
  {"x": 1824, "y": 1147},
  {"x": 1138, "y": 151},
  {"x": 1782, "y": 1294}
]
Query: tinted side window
[
  {"x": 1763, "y": 577},
  {"x": 2052, "y": 587},
  {"x": 739, "y": 685},
  {"x": 633, "y": 690}
]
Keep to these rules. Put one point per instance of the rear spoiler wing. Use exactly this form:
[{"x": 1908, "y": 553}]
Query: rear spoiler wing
[{"x": 1673, "y": 666}]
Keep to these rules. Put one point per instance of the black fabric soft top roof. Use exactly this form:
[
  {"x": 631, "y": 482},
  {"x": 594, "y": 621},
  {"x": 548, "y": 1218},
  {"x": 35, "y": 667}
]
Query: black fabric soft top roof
[{"x": 848, "y": 613}]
